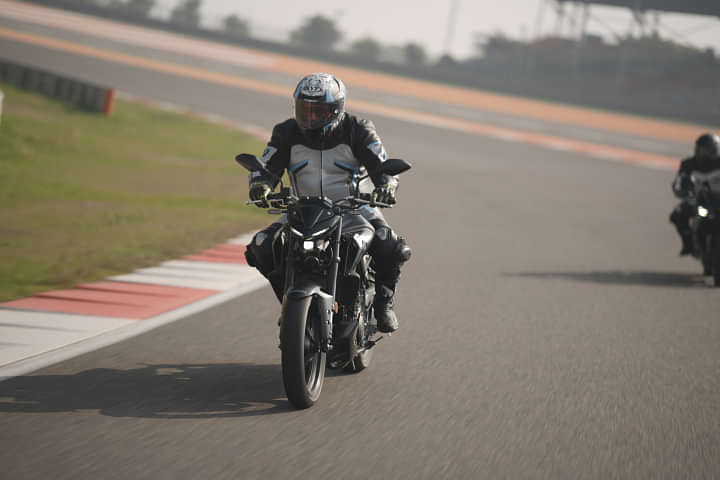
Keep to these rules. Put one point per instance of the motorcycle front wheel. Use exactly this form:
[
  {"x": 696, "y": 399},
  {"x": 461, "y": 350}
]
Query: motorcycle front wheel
[{"x": 303, "y": 363}]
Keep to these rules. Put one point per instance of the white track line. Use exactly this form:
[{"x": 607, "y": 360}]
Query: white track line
[
  {"x": 133, "y": 329},
  {"x": 30, "y": 340},
  {"x": 27, "y": 334}
]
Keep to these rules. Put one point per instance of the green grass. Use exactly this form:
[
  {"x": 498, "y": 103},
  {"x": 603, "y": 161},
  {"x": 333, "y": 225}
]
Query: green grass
[{"x": 83, "y": 196}]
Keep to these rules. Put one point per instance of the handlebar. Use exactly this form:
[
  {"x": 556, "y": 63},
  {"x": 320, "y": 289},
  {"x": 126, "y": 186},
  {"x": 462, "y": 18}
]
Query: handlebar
[
  {"x": 283, "y": 199},
  {"x": 367, "y": 199},
  {"x": 280, "y": 197}
]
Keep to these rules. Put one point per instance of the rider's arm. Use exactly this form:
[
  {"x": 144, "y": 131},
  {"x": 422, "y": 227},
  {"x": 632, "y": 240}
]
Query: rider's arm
[
  {"x": 681, "y": 184},
  {"x": 276, "y": 155},
  {"x": 370, "y": 152}
]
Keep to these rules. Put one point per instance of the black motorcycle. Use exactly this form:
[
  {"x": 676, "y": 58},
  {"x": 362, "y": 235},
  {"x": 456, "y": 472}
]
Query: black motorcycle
[
  {"x": 327, "y": 308},
  {"x": 705, "y": 223}
]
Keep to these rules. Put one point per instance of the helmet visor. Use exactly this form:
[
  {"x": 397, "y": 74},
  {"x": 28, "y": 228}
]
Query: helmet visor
[{"x": 313, "y": 114}]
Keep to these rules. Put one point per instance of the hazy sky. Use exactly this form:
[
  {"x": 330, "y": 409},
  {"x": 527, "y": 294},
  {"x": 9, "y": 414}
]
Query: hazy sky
[{"x": 400, "y": 21}]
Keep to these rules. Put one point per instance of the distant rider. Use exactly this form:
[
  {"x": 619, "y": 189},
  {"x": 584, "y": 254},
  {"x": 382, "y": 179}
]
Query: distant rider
[
  {"x": 317, "y": 148},
  {"x": 704, "y": 160}
]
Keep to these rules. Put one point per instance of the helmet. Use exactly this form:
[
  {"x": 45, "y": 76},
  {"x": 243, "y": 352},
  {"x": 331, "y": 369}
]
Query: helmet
[
  {"x": 319, "y": 103},
  {"x": 709, "y": 142}
]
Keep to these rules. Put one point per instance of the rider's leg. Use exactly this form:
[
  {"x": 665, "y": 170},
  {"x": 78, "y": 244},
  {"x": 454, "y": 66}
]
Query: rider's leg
[
  {"x": 259, "y": 254},
  {"x": 680, "y": 217},
  {"x": 389, "y": 252}
]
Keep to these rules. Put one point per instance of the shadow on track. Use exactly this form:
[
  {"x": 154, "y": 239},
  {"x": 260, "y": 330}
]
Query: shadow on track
[
  {"x": 153, "y": 391},
  {"x": 618, "y": 277}
]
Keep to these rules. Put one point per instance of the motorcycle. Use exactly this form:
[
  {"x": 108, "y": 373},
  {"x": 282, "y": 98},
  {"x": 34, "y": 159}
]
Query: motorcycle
[
  {"x": 705, "y": 223},
  {"x": 327, "y": 317}
]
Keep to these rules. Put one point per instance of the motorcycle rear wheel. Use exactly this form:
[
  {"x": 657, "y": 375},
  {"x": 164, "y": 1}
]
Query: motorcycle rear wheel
[
  {"x": 360, "y": 362},
  {"x": 303, "y": 364}
]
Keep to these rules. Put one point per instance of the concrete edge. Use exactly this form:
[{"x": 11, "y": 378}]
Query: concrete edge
[{"x": 66, "y": 352}]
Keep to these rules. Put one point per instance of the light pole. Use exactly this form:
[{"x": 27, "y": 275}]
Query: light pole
[{"x": 450, "y": 30}]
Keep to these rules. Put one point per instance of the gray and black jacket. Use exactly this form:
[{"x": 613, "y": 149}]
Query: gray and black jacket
[{"x": 321, "y": 167}]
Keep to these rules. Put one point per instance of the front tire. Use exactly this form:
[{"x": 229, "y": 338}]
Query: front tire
[{"x": 303, "y": 364}]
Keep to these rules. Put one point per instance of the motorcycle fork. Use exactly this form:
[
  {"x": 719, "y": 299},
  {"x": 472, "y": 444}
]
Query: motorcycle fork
[{"x": 327, "y": 327}]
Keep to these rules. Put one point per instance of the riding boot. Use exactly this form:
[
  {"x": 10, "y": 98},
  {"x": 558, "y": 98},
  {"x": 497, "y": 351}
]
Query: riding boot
[
  {"x": 385, "y": 285},
  {"x": 387, "y": 321},
  {"x": 389, "y": 253},
  {"x": 687, "y": 244}
]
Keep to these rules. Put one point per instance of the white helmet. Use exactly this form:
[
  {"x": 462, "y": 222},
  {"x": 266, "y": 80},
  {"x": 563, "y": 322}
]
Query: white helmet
[{"x": 319, "y": 103}]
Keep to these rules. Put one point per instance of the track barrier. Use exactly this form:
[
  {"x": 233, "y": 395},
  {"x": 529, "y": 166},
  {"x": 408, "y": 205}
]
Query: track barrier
[{"x": 82, "y": 94}]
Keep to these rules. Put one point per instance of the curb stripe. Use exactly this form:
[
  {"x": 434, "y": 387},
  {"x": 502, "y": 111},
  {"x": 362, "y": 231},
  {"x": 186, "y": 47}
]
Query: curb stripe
[{"x": 47, "y": 327}]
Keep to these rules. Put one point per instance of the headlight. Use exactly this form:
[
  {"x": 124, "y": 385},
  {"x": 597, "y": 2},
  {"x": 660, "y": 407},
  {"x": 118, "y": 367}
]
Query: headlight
[
  {"x": 320, "y": 245},
  {"x": 703, "y": 212},
  {"x": 319, "y": 232}
]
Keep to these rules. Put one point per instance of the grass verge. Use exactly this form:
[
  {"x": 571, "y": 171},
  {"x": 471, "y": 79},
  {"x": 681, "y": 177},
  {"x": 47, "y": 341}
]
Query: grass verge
[{"x": 84, "y": 196}]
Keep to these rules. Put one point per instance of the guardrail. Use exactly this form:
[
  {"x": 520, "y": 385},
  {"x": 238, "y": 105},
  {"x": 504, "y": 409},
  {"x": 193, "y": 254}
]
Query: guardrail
[{"x": 84, "y": 95}]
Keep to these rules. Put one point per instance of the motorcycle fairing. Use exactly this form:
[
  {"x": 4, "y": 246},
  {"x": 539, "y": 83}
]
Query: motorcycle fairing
[{"x": 312, "y": 215}]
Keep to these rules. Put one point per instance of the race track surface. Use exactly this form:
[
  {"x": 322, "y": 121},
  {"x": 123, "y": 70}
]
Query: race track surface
[{"x": 548, "y": 329}]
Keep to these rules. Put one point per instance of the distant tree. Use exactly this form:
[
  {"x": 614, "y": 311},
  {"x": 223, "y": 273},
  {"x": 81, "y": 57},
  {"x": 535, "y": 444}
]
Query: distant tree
[
  {"x": 236, "y": 26},
  {"x": 495, "y": 44},
  {"x": 318, "y": 32},
  {"x": 447, "y": 61},
  {"x": 140, "y": 8},
  {"x": 415, "y": 55},
  {"x": 112, "y": 4},
  {"x": 186, "y": 13},
  {"x": 366, "y": 48}
]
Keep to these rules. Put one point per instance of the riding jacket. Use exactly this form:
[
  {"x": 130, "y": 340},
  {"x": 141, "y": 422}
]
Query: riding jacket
[
  {"x": 689, "y": 165},
  {"x": 323, "y": 166}
]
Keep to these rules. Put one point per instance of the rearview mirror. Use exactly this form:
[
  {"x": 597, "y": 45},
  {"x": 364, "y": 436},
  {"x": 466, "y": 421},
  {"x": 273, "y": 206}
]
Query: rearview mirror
[
  {"x": 250, "y": 162},
  {"x": 395, "y": 166}
]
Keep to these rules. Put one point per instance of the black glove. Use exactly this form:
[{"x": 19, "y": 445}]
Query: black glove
[
  {"x": 385, "y": 192},
  {"x": 682, "y": 186},
  {"x": 259, "y": 190}
]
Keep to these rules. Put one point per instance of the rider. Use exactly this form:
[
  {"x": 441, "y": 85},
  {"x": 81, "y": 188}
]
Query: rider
[
  {"x": 317, "y": 148},
  {"x": 704, "y": 160}
]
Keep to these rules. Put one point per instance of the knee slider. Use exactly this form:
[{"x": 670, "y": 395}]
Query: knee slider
[
  {"x": 250, "y": 256},
  {"x": 402, "y": 250},
  {"x": 259, "y": 253},
  {"x": 674, "y": 215},
  {"x": 390, "y": 247}
]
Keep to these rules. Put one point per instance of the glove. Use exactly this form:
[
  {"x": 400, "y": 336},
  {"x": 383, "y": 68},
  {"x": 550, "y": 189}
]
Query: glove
[
  {"x": 259, "y": 190},
  {"x": 682, "y": 185},
  {"x": 385, "y": 192}
]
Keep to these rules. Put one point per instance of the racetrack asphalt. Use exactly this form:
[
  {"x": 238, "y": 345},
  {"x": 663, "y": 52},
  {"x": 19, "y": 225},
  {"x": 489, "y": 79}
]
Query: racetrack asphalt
[{"x": 548, "y": 330}]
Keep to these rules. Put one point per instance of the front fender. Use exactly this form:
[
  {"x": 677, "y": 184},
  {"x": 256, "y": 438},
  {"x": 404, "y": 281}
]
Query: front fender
[{"x": 311, "y": 295}]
